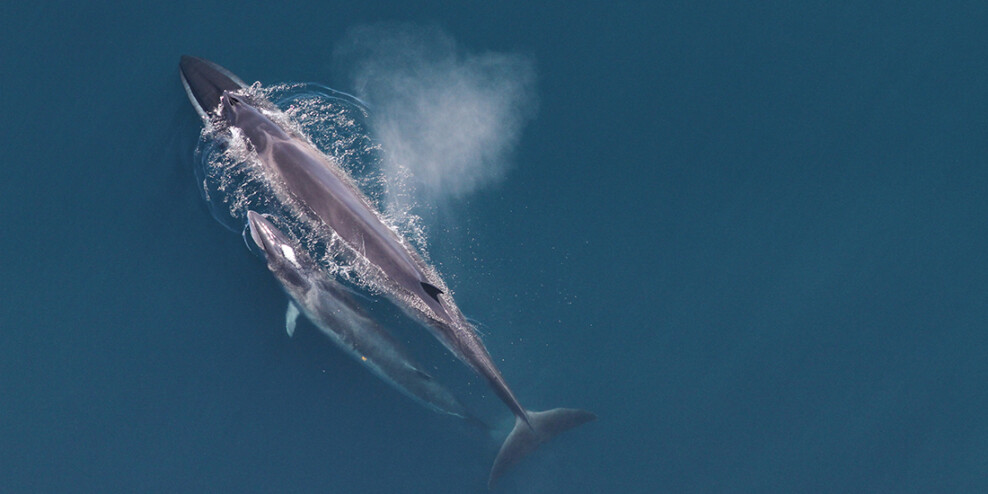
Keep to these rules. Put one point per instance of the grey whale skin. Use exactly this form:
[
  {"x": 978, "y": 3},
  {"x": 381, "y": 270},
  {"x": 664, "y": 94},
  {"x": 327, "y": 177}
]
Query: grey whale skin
[
  {"x": 326, "y": 303},
  {"x": 318, "y": 186}
]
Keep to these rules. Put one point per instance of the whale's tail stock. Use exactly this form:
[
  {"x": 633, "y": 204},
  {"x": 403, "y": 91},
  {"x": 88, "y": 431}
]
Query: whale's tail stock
[{"x": 526, "y": 437}]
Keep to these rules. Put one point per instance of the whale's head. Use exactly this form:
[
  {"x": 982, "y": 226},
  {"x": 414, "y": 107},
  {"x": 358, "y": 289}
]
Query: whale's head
[
  {"x": 284, "y": 257},
  {"x": 205, "y": 82}
]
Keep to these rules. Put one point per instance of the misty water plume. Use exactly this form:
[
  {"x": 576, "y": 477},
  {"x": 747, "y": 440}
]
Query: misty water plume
[{"x": 449, "y": 119}]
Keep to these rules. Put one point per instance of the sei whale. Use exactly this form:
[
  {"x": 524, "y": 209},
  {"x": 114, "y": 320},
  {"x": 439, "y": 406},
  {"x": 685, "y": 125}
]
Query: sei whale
[{"x": 310, "y": 180}]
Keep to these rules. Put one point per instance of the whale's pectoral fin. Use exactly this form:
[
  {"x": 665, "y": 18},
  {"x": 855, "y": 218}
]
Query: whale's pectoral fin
[
  {"x": 291, "y": 316},
  {"x": 432, "y": 290}
]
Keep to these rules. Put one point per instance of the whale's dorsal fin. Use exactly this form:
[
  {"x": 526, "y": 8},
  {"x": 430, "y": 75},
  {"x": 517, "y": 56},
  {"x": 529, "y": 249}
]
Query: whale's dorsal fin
[
  {"x": 432, "y": 290},
  {"x": 291, "y": 315}
]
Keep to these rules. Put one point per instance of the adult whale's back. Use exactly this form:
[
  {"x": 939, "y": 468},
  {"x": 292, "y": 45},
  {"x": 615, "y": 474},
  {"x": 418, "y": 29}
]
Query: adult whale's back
[
  {"x": 319, "y": 185},
  {"x": 313, "y": 181}
]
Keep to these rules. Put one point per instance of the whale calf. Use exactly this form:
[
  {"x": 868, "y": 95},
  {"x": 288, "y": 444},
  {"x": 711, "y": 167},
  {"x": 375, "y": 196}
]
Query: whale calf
[
  {"x": 329, "y": 306},
  {"x": 312, "y": 181}
]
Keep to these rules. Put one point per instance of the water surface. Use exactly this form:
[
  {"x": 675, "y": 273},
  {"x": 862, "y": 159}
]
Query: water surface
[{"x": 751, "y": 239}]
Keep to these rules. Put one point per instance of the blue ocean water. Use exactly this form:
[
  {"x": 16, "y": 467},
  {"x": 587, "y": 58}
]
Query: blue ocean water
[{"x": 750, "y": 238}]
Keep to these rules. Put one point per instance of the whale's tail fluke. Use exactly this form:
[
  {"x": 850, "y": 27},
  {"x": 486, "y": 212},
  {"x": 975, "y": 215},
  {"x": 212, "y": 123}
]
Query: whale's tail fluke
[{"x": 525, "y": 438}]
